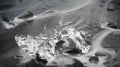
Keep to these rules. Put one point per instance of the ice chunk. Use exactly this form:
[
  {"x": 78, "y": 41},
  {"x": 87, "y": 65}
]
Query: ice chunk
[{"x": 46, "y": 45}]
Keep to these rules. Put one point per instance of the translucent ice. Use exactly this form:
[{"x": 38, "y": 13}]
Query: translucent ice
[{"x": 45, "y": 46}]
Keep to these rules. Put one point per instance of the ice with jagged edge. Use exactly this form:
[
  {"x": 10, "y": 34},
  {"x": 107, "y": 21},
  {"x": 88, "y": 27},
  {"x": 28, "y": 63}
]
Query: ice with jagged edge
[{"x": 45, "y": 46}]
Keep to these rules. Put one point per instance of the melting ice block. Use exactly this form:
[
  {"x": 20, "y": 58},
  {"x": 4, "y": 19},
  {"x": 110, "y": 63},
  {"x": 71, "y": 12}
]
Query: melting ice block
[{"x": 45, "y": 47}]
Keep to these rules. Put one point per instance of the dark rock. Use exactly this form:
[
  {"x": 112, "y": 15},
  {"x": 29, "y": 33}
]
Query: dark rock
[
  {"x": 98, "y": 53},
  {"x": 44, "y": 8},
  {"x": 105, "y": 63},
  {"x": 4, "y": 18},
  {"x": 111, "y": 7},
  {"x": 116, "y": 59},
  {"x": 58, "y": 45},
  {"x": 74, "y": 51},
  {"x": 94, "y": 59},
  {"x": 112, "y": 25},
  {"x": 60, "y": 42},
  {"x": 18, "y": 57},
  {"x": 28, "y": 14},
  {"x": 101, "y": 5},
  {"x": 38, "y": 59}
]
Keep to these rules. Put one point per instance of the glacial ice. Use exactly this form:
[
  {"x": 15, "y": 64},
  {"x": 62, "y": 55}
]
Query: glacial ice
[{"x": 45, "y": 46}]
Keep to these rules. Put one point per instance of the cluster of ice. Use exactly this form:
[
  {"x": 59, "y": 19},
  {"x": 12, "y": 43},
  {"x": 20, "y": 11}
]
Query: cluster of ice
[
  {"x": 33, "y": 45},
  {"x": 45, "y": 46}
]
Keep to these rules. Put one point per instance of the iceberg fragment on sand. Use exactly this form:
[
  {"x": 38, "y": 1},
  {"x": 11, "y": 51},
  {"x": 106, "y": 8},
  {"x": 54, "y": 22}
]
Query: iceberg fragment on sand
[{"x": 45, "y": 46}]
